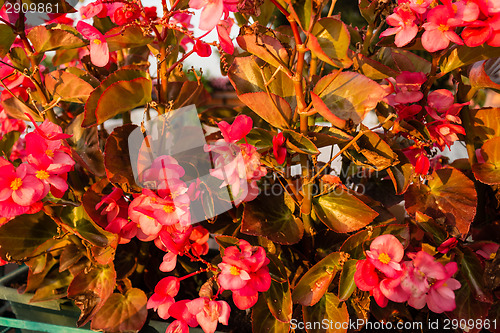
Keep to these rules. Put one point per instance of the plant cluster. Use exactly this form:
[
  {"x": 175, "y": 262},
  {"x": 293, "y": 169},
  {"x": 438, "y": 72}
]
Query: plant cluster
[{"x": 122, "y": 222}]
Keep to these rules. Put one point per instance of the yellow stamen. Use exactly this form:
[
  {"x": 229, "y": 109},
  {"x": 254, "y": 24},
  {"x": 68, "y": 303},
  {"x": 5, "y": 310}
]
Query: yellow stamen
[
  {"x": 234, "y": 270},
  {"x": 493, "y": 255},
  {"x": 42, "y": 174},
  {"x": 16, "y": 184},
  {"x": 49, "y": 153},
  {"x": 97, "y": 41},
  {"x": 443, "y": 27},
  {"x": 384, "y": 258},
  {"x": 169, "y": 208}
]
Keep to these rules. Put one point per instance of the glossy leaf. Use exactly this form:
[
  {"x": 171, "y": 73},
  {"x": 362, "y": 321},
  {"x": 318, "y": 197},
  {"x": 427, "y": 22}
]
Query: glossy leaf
[
  {"x": 259, "y": 138},
  {"x": 276, "y": 268},
  {"x": 462, "y": 55},
  {"x": 90, "y": 289},
  {"x": 485, "y": 122},
  {"x": 368, "y": 10},
  {"x": 17, "y": 109},
  {"x": 117, "y": 160},
  {"x": 473, "y": 271},
  {"x": 330, "y": 310},
  {"x": 448, "y": 193},
  {"x": 67, "y": 86},
  {"x": 348, "y": 96},
  {"x": 85, "y": 146},
  {"x": 225, "y": 242},
  {"x": 401, "y": 173},
  {"x": 54, "y": 286},
  {"x": 323, "y": 136},
  {"x": 7, "y": 142},
  {"x": 343, "y": 212},
  {"x": 402, "y": 60},
  {"x": 23, "y": 235},
  {"x": 329, "y": 41},
  {"x": 130, "y": 37},
  {"x": 315, "y": 282},
  {"x": 430, "y": 226},
  {"x": 279, "y": 301},
  {"x": 484, "y": 74},
  {"x": 247, "y": 75},
  {"x": 263, "y": 46},
  {"x": 272, "y": 108},
  {"x": 264, "y": 322},
  {"x": 268, "y": 216},
  {"x": 122, "y": 313},
  {"x": 299, "y": 143},
  {"x": 120, "y": 81},
  {"x": 489, "y": 171},
  {"x": 372, "y": 151},
  {"x": 372, "y": 68},
  {"x": 7, "y": 37},
  {"x": 354, "y": 244},
  {"x": 46, "y": 39},
  {"x": 346, "y": 282}
]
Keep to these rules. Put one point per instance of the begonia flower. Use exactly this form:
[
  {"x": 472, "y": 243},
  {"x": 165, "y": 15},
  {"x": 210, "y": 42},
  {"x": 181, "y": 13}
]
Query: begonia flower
[
  {"x": 99, "y": 50},
  {"x": 279, "y": 148},
  {"x": 439, "y": 29},
  {"x": 405, "y": 28},
  {"x": 386, "y": 253},
  {"x": 441, "y": 297},
  {"x": 208, "y": 313},
  {"x": 163, "y": 298},
  {"x": 240, "y": 127}
]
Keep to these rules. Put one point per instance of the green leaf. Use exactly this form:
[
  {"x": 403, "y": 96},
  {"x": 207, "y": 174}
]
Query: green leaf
[
  {"x": 279, "y": 301},
  {"x": 276, "y": 268},
  {"x": 7, "y": 142},
  {"x": 131, "y": 36},
  {"x": 17, "y": 109},
  {"x": 348, "y": 96},
  {"x": 354, "y": 244},
  {"x": 346, "y": 282},
  {"x": 268, "y": 216},
  {"x": 463, "y": 55},
  {"x": 250, "y": 74},
  {"x": 81, "y": 224},
  {"x": 485, "y": 122},
  {"x": 402, "y": 60},
  {"x": 368, "y": 10},
  {"x": 489, "y": 171},
  {"x": 270, "y": 107},
  {"x": 119, "y": 81},
  {"x": 315, "y": 282},
  {"x": 46, "y": 39},
  {"x": 372, "y": 151},
  {"x": 372, "y": 68},
  {"x": 259, "y": 138},
  {"x": 67, "y": 86},
  {"x": 90, "y": 289},
  {"x": 430, "y": 226},
  {"x": 473, "y": 271},
  {"x": 330, "y": 310},
  {"x": 117, "y": 159},
  {"x": 299, "y": 143},
  {"x": 401, "y": 173},
  {"x": 54, "y": 286},
  {"x": 449, "y": 193},
  {"x": 19, "y": 58},
  {"x": 343, "y": 212},
  {"x": 323, "y": 136},
  {"x": 225, "y": 242},
  {"x": 304, "y": 10},
  {"x": 23, "y": 235},
  {"x": 185, "y": 93},
  {"x": 263, "y": 46},
  {"x": 329, "y": 41},
  {"x": 7, "y": 37},
  {"x": 122, "y": 313},
  {"x": 484, "y": 74},
  {"x": 264, "y": 322},
  {"x": 85, "y": 146},
  {"x": 467, "y": 307}
]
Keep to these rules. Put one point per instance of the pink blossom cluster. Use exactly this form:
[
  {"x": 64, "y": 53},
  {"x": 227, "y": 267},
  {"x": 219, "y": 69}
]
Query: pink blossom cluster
[
  {"x": 238, "y": 165},
  {"x": 480, "y": 20},
  {"x": 419, "y": 281},
  {"x": 441, "y": 116},
  {"x": 44, "y": 169}
]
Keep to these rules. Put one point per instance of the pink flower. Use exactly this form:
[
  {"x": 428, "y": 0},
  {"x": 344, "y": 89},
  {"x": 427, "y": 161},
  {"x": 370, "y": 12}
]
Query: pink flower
[
  {"x": 169, "y": 262},
  {"x": 439, "y": 29},
  {"x": 420, "y": 6},
  {"x": 442, "y": 106},
  {"x": 444, "y": 133},
  {"x": 240, "y": 127},
  {"x": 405, "y": 28},
  {"x": 208, "y": 313},
  {"x": 223, "y": 30},
  {"x": 279, "y": 148},
  {"x": 441, "y": 297},
  {"x": 116, "y": 211},
  {"x": 99, "y": 51},
  {"x": 163, "y": 297},
  {"x": 126, "y": 12},
  {"x": 385, "y": 254},
  {"x": 479, "y": 32},
  {"x": 177, "y": 326},
  {"x": 212, "y": 11},
  {"x": 19, "y": 189},
  {"x": 488, "y": 250},
  {"x": 202, "y": 49},
  {"x": 244, "y": 271},
  {"x": 366, "y": 279},
  {"x": 179, "y": 311},
  {"x": 8, "y": 124},
  {"x": 408, "y": 87},
  {"x": 422, "y": 165}
]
